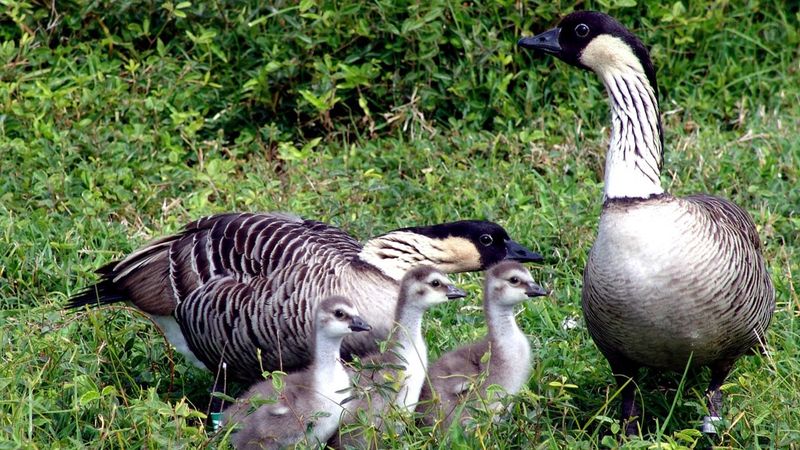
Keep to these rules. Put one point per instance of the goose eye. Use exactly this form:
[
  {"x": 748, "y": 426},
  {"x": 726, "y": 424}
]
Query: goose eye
[
  {"x": 582, "y": 30},
  {"x": 436, "y": 283},
  {"x": 486, "y": 239},
  {"x": 513, "y": 280},
  {"x": 338, "y": 314}
]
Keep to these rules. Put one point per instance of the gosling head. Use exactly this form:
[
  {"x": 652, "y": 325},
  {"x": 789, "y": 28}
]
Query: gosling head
[
  {"x": 424, "y": 287},
  {"x": 594, "y": 41},
  {"x": 336, "y": 317},
  {"x": 470, "y": 245},
  {"x": 510, "y": 283}
]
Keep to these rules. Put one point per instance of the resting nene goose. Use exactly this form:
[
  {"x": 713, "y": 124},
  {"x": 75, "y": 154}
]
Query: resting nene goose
[
  {"x": 669, "y": 281},
  {"x": 241, "y": 289},
  {"x": 396, "y": 376},
  {"x": 310, "y": 404},
  {"x": 463, "y": 374}
]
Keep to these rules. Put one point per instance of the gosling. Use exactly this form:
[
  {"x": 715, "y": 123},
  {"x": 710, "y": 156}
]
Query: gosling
[
  {"x": 308, "y": 408},
  {"x": 395, "y": 377}
]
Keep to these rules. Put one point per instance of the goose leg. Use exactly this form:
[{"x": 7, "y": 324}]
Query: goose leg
[
  {"x": 624, "y": 373},
  {"x": 631, "y": 412},
  {"x": 216, "y": 405},
  {"x": 719, "y": 372}
]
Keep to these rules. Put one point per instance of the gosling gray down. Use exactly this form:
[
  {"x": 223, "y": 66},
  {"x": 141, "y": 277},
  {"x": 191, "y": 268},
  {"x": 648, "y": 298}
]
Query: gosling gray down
[
  {"x": 670, "y": 281},
  {"x": 309, "y": 406},
  {"x": 464, "y": 374},
  {"x": 239, "y": 290},
  {"x": 395, "y": 377}
]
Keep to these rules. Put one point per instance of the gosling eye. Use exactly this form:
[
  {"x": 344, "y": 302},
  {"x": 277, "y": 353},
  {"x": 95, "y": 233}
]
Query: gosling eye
[
  {"x": 338, "y": 314},
  {"x": 514, "y": 281},
  {"x": 582, "y": 30},
  {"x": 486, "y": 240},
  {"x": 436, "y": 283}
]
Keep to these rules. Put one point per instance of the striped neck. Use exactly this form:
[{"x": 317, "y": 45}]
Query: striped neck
[
  {"x": 634, "y": 158},
  {"x": 633, "y": 161},
  {"x": 396, "y": 252}
]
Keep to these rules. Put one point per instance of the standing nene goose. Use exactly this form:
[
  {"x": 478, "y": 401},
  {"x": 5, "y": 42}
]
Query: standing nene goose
[
  {"x": 239, "y": 290},
  {"x": 466, "y": 373},
  {"x": 669, "y": 281},
  {"x": 310, "y": 404},
  {"x": 394, "y": 377}
]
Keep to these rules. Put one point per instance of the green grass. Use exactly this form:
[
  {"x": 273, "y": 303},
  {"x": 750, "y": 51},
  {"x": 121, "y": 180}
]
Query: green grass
[{"x": 122, "y": 121}]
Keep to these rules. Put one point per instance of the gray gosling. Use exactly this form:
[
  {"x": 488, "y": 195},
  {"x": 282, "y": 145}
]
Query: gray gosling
[
  {"x": 670, "y": 281},
  {"x": 309, "y": 406},
  {"x": 465, "y": 374},
  {"x": 394, "y": 378}
]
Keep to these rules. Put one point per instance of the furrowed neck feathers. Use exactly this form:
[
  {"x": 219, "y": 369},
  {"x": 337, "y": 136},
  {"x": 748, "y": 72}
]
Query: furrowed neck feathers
[
  {"x": 635, "y": 151},
  {"x": 396, "y": 252}
]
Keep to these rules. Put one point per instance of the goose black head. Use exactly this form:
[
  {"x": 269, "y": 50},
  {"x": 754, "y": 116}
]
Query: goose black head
[
  {"x": 476, "y": 244},
  {"x": 594, "y": 41}
]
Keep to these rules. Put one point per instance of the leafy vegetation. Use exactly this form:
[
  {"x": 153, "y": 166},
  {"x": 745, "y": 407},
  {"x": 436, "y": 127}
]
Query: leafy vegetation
[{"x": 120, "y": 121}]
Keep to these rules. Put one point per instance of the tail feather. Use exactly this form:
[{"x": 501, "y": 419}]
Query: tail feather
[
  {"x": 103, "y": 293},
  {"x": 141, "y": 278},
  {"x": 154, "y": 276}
]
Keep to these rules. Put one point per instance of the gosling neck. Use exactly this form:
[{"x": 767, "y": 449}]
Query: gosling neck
[
  {"x": 407, "y": 340},
  {"x": 407, "y": 348},
  {"x": 502, "y": 329},
  {"x": 326, "y": 353}
]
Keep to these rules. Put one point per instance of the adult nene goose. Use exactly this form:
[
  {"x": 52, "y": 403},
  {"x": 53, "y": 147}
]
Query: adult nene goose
[
  {"x": 310, "y": 404},
  {"x": 241, "y": 289},
  {"x": 669, "y": 281}
]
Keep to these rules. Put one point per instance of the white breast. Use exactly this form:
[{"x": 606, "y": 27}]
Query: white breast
[
  {"x": 639, "y": 248},
  {"x": 658, "y": 287},
  {"x": 174, "y": 335}
]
